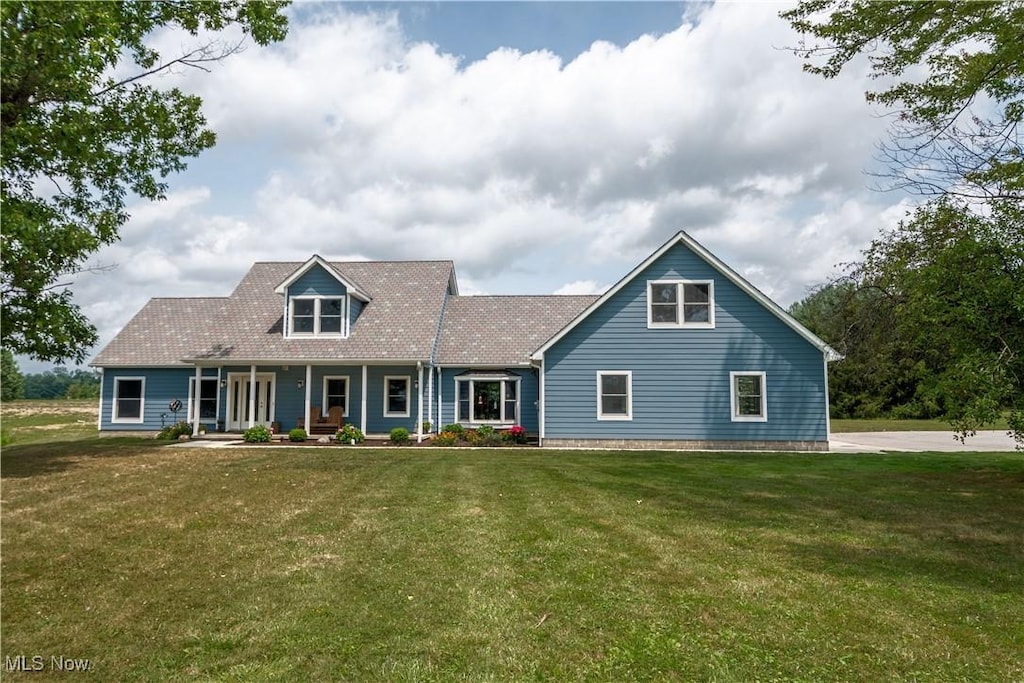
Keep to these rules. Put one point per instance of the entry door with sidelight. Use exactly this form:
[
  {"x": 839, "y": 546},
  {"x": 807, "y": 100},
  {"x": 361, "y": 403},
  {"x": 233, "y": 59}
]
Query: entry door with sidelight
[{"x": 240, "y": 390}]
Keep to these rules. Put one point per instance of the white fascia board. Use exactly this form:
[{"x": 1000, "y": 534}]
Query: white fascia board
[
  {"x": 317, "y": 260},
  {"x": 716, "y": 263}
]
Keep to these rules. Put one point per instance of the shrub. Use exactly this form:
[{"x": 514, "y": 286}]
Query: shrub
[
  {"x": 399, "y": 435},
  {"x": 257, "y": 434},
  {"x": 484, "y": 431},
  {"x": 517, "y": 434},
  {"x": 349, "y": 433},
  {"x": 455, "y": 429},
  {"x": 446, "y": 439},
  {"x": 172, "y": 432},
  {"x": 297, "y": 434},
  {"x": 426, "y": 427}
]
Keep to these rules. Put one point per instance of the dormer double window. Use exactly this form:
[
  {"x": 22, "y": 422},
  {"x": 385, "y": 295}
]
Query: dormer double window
[{"x": 318, "y": 316}]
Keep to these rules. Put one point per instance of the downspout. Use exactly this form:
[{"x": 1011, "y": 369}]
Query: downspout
[
  {"x": 440, "y": 400},
  {"x": 308, "y": 398},
  {"x": 99, "y": 415},
  {"x": 362, "y": 403},
  {"x": 828, "y": 418},
  {"x": 540, "y": 396}
]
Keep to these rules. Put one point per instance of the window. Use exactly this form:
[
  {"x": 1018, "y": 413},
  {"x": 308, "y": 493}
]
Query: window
[
  {"x": 207, "y": 397},
  {"x": 748, "y": 393},
  {"x": 680, "y": 303},
  {"x": 487, "y": 398},
  {"x": 318, "y": 316},
  {"x": 615, "y": 395},
  {"x": 396, "y": 397},
  {"x": 336, "y": 394},
  {"x": 128, "y": 399}
]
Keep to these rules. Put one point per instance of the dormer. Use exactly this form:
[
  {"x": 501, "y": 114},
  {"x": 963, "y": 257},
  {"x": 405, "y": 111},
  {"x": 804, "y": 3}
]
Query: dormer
[{"x": 319, "y": 303}]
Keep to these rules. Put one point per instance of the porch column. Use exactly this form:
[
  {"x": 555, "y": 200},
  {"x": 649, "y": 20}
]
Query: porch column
[
  {"x": 430, "y": 401},
  {"x": 196, "y": 393},
  {"x": 419, "y": 402},
  {"x": 362, "y": 404},
  {"x": 252, "y": 396},
  {"x": 309, "y": 393},
  {"x": 542, "y": 418},
  {"x": 440, "y": 402}
]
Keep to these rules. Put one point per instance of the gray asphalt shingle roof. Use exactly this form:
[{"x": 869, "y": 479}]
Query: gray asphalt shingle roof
[
  {"x": 399, "y": 323},
  {"x": 502, "y": 330}
]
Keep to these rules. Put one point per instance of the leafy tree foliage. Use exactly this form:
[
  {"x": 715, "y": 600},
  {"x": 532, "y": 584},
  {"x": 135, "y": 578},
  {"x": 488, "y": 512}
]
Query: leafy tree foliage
[
  {"x": 62, "y": 383},
  {"x": 11, "y": 381},
  {"x": 958, "y": 127},
  {"x": 78, "y": 135},
  {"x": 932, "y": 319}
]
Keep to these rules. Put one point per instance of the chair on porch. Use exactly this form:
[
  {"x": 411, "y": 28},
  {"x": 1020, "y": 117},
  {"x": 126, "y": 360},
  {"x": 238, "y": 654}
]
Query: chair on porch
[{"x": 324, "y": 424}]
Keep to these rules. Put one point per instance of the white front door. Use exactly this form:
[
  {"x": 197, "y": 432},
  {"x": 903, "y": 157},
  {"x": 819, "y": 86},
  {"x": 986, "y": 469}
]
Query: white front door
[{"x": 240, "y": 391}]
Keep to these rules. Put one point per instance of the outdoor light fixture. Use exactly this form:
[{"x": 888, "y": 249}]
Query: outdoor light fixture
[
  {"x": 223, "y": 383},
  {"x": 300, "y": 384}
]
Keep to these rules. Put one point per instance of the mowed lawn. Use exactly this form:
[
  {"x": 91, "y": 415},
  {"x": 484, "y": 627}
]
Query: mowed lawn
[{"x": 265, "y": 563}]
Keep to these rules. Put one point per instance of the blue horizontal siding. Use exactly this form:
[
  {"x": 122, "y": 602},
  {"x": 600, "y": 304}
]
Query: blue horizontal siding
[
  {"x": 681, "y": 382},
  {"x": 161, "y": 386},
  {"x": 317, "y": 282}
]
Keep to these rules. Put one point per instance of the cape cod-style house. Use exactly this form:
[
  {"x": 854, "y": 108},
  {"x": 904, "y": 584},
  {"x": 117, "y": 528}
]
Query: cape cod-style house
[{"x": 681, "y": 353}]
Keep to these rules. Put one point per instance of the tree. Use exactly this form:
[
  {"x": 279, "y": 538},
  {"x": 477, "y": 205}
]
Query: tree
[
  {"x": 957, "y": 128},
  {"x": 77, "y": 136},
  {"x": 11, "y": 381},
  {"x": 932, "y": 319}
]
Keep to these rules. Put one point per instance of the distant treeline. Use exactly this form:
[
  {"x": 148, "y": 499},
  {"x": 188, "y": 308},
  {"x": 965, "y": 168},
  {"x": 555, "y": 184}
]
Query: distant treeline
[{"x": 52, "y": 384}]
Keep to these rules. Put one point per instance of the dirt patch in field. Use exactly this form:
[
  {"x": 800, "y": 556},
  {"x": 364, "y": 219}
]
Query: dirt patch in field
[{"x": 24, "y": 409}]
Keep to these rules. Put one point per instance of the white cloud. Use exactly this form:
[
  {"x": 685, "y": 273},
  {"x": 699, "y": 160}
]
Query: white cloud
[
  {"x": 582, "y": 287},
  {"x": 525, "y": 170}
]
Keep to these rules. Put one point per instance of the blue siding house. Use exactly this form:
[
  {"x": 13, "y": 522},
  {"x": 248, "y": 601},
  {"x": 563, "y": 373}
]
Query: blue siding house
[{"x": 680, "y": 353}]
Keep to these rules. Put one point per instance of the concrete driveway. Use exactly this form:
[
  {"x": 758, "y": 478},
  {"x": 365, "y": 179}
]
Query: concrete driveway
[{"x": 913, "y": 442}]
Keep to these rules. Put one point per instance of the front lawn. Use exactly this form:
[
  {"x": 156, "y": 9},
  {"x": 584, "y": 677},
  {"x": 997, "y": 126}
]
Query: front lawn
[{"x": 167, "y": 563}]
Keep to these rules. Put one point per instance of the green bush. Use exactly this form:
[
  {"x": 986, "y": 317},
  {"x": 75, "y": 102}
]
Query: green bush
[
  {"x": 349, "y": 433},
  {"x": 446, "y": 439},
  {"x": 455, "y": 429},
  {"x": 172, "y": 432},
  {"x": 257, "y": 434},
  {"x": 399, "y": 435},
  {"x": 426, "y": 427},
  {"x": 298, "y": 434}
]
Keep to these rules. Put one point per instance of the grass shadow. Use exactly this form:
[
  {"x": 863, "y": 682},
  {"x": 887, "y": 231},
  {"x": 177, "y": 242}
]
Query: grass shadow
[{"x": 29, "y": 460}]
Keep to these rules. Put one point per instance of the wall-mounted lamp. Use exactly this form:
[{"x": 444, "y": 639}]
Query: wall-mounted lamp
[
  {"x": 300, "y": 383},
  {"x": 223, "y": 384},
  {"x": 415, "y": 384}
]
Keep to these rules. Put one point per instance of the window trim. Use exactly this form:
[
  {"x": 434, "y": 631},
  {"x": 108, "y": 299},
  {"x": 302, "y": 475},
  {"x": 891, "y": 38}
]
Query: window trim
[
  {"x": 628, "y": 374},
  {"x": 484, "y": 377},
  {"x": 194, "y": 396},
  {"x": 323, "y": 394},
  {"x": 408, "y": 395},
  {"x": 733, "y": 396},
  {"x": 114, "y": 418},
  {"x": 681, "y": 305},
  {"x": 317, "y": 300}
]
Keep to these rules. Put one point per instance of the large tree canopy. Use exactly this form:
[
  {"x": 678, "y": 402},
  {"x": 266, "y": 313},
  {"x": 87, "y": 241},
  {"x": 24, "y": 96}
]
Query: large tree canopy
[
  {"x": 81, "y": 128},
  {"x": 932, "y": 319},
  {"x": 954, "y": 73}
]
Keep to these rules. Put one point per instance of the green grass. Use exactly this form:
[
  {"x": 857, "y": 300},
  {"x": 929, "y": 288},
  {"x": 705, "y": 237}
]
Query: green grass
[
  {"x": 25, "y": 422},
  {"x": 168, "y": 563}
]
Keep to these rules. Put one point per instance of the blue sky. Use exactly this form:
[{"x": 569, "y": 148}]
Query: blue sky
[{"x": 543, "y": 147}]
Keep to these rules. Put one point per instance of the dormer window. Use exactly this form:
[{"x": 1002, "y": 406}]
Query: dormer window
[{"x": 318, "y": 316}]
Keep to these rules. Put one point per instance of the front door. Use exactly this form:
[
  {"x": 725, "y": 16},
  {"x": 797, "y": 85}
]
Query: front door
[{"x": 240, "y": 392}]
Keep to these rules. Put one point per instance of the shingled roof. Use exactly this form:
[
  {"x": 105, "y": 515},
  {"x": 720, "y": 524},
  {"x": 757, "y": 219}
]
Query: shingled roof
[
  {"x": 400, "y": 323},
  {"x": 502, "y": 330}
]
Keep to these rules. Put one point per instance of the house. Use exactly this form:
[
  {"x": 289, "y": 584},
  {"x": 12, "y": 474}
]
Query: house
[{"x": 681, "y": 353}]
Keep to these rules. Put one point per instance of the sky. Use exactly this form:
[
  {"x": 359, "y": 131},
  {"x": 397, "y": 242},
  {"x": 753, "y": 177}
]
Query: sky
[{"x": 542, "y": 147}]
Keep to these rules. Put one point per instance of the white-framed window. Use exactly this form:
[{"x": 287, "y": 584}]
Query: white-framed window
[
  {"x": 318, "y": 316},
  {"x": 680, "y": 303},
  {"x": 748, "y": 393},
  {"x": 129, "y": 400},
  {"x": 335, "y": 393},
  {"x": 487, "y": 399},
  {"x": 208, "y": 395},
  {"x": 396, "y": 396},
  {"x": 614, "y": 395}
]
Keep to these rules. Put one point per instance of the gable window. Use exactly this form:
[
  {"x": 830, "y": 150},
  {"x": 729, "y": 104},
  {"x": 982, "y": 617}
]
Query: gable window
[
  {"x": 614, "y": 395},
  {"x": 336, "y": 394},
  {"x": 487, "y": 398},
  {"x": 129, "y": 399},
  {"x": 396, "y": 397},
  {"x": 318, "y": 316},
  {"x": 749, "y": 396},
  {"x": 680, "y": 303}
]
